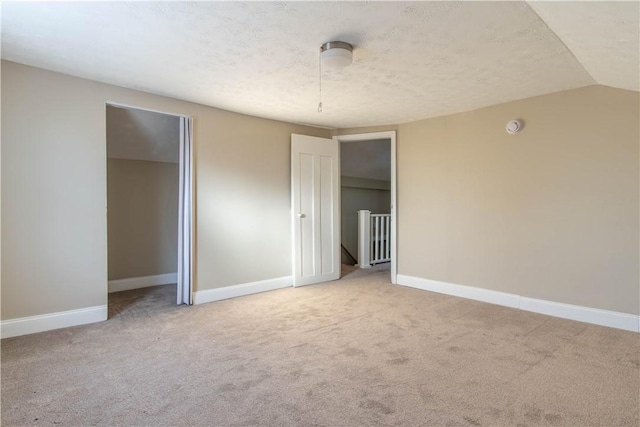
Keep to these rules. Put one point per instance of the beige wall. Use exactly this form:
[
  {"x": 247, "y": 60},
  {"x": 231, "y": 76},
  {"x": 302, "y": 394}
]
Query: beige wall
[
  {"x": 550, "y": 213},
  {"x": 142, "y": 218},
  {"x": 54, "y": 243}
]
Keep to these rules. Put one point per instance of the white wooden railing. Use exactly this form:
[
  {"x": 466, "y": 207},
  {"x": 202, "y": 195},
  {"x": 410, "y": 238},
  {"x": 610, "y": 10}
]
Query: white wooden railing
[{"x": 374, "y": 238}]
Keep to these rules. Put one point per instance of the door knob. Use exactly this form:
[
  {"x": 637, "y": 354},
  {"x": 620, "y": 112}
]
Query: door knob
[{"x": 301, "y": 215}]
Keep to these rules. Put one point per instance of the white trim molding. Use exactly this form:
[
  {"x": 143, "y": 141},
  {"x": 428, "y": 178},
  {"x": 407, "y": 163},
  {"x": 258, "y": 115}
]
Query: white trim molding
[
  {"x": 391, "y": 136},
  {"x": 46, "y": 322},
  {"x": 217, "y": 294},
  {"x": 142, "y": 282},
  {"x": 612, "y": 319},
  {"x": 469, "y": 292}
]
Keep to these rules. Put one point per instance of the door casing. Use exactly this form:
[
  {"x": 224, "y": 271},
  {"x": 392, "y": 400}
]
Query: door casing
[
  {"x": 391, "y": 135},
  {"x": 184, "y": 295}
]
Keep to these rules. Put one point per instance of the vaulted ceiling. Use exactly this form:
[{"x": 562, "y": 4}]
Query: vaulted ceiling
[
  {"x": 134, "y": 134},
  {"x": 412, "y": 60}
]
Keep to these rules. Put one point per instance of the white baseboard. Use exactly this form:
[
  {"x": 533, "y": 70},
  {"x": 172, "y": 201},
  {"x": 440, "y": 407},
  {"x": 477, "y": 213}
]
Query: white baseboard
[
  {"x": 217, "y": 294},
  {"x": 469, "y": 292},
  {"x": 46, "y": 322},
  {"x": 612, "y": 319},
  {"x": 142, "y": 282}
]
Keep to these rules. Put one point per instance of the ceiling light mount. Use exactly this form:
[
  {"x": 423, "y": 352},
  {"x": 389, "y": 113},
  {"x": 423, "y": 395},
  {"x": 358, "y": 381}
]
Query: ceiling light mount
[{"x": 336, "y": 54}]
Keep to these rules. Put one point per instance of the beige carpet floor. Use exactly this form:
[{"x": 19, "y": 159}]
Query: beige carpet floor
[{"x": 354, "y": 352}]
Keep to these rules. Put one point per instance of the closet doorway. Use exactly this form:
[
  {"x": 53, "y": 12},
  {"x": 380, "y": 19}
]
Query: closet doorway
[{"x": 149, "y": 202}]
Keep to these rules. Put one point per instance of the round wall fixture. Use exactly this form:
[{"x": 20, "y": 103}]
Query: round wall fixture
[
  {"x": 336, "y": 54},
  {"x": 514, "y": 126}
]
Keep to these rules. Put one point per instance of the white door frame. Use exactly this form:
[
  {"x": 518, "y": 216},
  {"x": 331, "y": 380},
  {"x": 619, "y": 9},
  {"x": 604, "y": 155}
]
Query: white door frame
[
  {"x": 391, "y": 135},
  {"x": 191, "y": 262}
]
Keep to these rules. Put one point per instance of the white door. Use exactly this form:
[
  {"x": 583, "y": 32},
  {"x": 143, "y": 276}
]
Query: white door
[
  {"x": 315, "y": 209},
  {"x": 185, "y": 213}
]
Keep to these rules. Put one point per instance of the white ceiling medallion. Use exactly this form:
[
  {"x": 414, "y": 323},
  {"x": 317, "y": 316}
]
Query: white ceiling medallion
[
  {"x": 514, "y": 126},
  {"x": 336, "y": 55}
]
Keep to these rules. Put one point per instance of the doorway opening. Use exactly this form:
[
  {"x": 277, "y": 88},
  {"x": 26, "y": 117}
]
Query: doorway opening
[
  {"x": 149, "y": 205},
  {"x": 368, "y": 200}
]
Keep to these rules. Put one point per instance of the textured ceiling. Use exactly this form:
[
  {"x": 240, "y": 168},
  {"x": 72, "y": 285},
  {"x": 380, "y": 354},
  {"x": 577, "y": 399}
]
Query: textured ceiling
[
  {"x": 412, "y": 60},
  {"x": 603, "y": 36},
  {"x": 142, "y": 135}
]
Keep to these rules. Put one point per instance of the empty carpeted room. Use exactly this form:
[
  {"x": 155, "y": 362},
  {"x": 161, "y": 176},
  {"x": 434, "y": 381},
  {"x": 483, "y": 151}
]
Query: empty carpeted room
[{"x": 484, "y": 270}]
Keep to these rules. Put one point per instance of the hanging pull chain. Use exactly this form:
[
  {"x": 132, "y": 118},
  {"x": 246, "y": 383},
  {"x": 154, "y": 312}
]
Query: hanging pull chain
[{"x": 320, "y": 80}]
